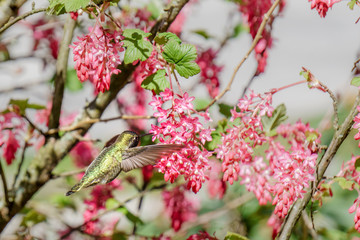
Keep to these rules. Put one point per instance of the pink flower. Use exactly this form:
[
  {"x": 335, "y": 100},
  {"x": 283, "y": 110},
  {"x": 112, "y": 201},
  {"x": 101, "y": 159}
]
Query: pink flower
[
  {"x": 322, "y": 6},
  {"x": 253, "y": 12},
  {"x": 10, "y": 147},
  {"x": 275, "y": 222},
  {"x": 44, "y": 34},
  {"x": 178, "y": 126},
  {"x": 178, "y": 207},
  {"x": 209, "y": 71},
  {"x": 96, "y": 56},
  {"x": 12, "y": 128},
  {"x": 84, "y": 153},
  {"x": 216, "y": 186},
  {"x": 99, "y": 195},
  {"x": 284, "y": 174},
  {"x": 201, "y": 236}
]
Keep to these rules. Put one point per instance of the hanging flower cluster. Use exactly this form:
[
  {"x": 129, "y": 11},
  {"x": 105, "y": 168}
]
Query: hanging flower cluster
[
  {"x": 96, "y": 56},
  {"x": 209, "y": 71},
  {"x": 322, "y": 6},
  {"x": 12, "y": 128},
  {"x": 178, "y": 126},
  {"x": 350, "y": 172},
  {"x": 286, "y": 173},
  {"x": 253, "y": 13},
  {"x": 179, "y": 208}
]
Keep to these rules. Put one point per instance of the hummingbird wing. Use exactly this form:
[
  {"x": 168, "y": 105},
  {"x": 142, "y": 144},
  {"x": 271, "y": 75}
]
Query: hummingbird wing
[{"x": 138, "y": 157}]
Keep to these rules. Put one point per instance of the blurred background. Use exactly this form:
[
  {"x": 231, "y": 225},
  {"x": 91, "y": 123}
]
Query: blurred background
[{"x": 327, "y": 46}]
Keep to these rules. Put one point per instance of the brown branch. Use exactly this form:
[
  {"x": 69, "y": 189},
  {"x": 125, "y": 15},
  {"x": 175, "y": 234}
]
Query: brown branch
[
  {"x": 257, "y": 38},
  {"x": 48, "y": 156},
  {"x": 309, "y": 225},
  {"x": 61, "y": 72},
  {"x": 67, "y": 174},
  {"x": 9, "y": 8},
  {"x": 3, "y": 178},
  {"x": 335, "y": 143},
  {"x": 20, "y": 164},
  {"x": 15, "y": 20},
  {"x": 85, "y": 122}
]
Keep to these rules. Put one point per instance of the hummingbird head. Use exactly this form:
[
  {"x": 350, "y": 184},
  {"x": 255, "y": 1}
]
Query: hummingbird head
[{"x": 129, "y": 138}]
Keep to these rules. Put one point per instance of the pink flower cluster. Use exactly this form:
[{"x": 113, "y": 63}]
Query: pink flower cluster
[
  {"x": 253, "y": 12},
  {"x": 286, "y": 173},
  {"x": 12, "y": 128},
  {"x": 215, "y": 185},
  {"x": 96, "y": 56},
  {"x": 178, "y": 207},
  {"x": 350, "y": 173},
  {"x": 43, "y": 34},
  {"x": 209, "y": 71},
  {"x": 357, "y": 125},
  {"x": 178, "y": 126},
  {"x": 292, "y": 169},
  {"x": 322, "y": 6},
  {"x": 99, "y": 195}
]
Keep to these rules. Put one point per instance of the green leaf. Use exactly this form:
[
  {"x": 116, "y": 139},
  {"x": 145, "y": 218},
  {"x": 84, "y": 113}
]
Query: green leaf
[
  {"x": 154, "y": 7},
  {"x": 23, "y": 104},
  {"x": 72, "y": 81},
  {"x": 202, "y": 33},
  {"x": 234, "y": 236},
  {"x": 61, "y": 201},
  {"x": 270, "y": 123},
  {"x": 224, "y": 109},
  {"x": 64, "y": 6},
  {"x": 239, "y": 28},
  {"x": 351, "y": 4},
  {"x": 32, "y": 217},
  {"x": 137, "y": 47},
  {"x": 355, "y": 81},
  {"x": 119, "y": 236},
  {"x": 344, "y": 183},
  {"x": 111, "y": 203},
  {"x": 134, "y": 219},
  {"x": 357, "y": 164},
  {"x": 200, "y": 103},
  {"x": 163, "y": 38},
  {"x": 188, "y": 69},
  {"x": 156, "y": 82},
  {"x": 182, "y": 56},
  {"x": 216, "y": 135}
]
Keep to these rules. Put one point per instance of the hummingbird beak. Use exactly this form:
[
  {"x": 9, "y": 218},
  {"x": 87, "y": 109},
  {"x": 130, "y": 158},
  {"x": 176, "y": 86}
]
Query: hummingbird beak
[{"x": 146, "y": 134}]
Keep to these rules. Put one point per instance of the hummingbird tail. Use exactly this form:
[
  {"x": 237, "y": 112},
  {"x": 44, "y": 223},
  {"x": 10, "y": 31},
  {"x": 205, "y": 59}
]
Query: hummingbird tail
[{"x": 74, "y": 189}]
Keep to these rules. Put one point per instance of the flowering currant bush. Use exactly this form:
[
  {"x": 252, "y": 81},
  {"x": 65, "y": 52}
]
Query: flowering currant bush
[{"x": 232, "y": 170}]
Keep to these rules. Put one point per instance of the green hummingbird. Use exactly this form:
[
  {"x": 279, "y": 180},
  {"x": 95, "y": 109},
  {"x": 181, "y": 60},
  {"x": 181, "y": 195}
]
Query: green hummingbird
[{"x": 121, "y": 153}]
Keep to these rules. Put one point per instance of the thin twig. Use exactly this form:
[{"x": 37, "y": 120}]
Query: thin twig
[
  {"x": 355, "y": 63},
  {"x": 3, "y": 178},
  {"x": 61, "y": 73},
  {"x": 85, "y": 122},
  {"x": 15, "y": 20},
  {"x": 20, "y": 164},
  {"x": 67, "y": 174},
  {"x": 33, "y": 125},
  {"x": 258, "y": 36},
  {"x": 338, "y": 138},
  {"x": 309, "y": 224},
  {"x": 249, "y": 83}
]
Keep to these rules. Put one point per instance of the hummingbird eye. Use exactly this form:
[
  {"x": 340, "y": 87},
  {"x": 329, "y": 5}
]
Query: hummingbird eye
[{"x": 134, "y": 142}]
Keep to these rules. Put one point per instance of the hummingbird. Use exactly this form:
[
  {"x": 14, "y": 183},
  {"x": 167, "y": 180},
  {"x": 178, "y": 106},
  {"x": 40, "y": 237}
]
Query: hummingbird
[{"x": 122, "y": 153}]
